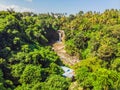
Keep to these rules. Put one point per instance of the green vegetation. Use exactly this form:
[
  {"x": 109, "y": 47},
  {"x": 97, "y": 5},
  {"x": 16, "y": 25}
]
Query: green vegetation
[
  {"x": 27, "y": 61},
  {"x": 95, "y": 38}
]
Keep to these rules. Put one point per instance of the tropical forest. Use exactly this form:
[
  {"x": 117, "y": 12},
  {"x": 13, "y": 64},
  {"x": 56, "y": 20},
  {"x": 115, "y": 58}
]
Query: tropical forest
[{"x": 34, "y": 48}]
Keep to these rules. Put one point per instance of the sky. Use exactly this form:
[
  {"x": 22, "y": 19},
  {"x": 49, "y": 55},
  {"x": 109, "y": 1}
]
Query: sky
[{"x": 59, "y": 6}]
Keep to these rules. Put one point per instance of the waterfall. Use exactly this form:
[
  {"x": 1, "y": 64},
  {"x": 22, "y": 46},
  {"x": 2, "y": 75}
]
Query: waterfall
[{"x": 60, "y": 37}]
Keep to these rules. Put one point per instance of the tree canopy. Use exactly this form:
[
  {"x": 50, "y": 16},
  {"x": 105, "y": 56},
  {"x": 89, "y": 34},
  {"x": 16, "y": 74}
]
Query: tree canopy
[{"x": 28, "y": 62}]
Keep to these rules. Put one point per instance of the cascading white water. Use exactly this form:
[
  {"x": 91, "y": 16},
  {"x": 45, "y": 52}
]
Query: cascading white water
[{"x": 60, "y": 37}]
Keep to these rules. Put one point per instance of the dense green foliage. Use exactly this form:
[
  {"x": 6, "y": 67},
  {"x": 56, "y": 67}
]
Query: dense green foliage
[
  {"x": 27, "y": 61},
  {"x": 95, "y": 38}
]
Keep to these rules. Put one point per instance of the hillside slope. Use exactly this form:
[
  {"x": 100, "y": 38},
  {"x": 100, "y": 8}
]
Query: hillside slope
[{"x": 66, "y": 58}]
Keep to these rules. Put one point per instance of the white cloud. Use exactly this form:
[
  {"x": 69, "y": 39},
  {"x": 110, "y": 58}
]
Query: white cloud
[
  {"x": 29, "y": 0},
  {"x": 15, "y": 7}
]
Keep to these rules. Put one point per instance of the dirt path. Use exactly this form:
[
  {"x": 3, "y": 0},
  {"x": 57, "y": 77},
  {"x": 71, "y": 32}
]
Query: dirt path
[{"x": 66, "y": 58}]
